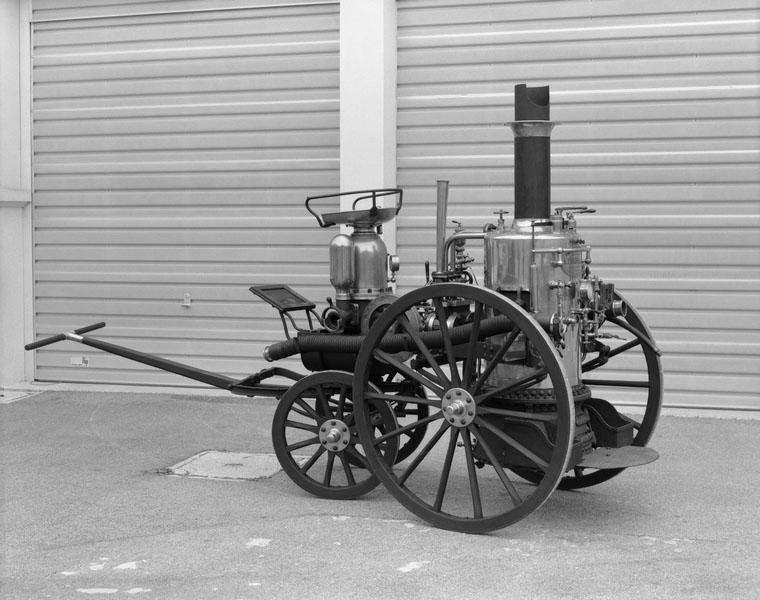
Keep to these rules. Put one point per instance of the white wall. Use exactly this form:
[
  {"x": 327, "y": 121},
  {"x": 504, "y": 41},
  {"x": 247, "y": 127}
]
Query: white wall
[
  {"x": 368, "y": 99},
  {"x": 15, "y": 193}
]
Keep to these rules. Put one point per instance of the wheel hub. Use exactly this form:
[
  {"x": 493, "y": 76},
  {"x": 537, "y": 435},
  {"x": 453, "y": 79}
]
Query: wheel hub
[
  {"x": 334, "y": 435},
  {"x": 458, "y": 407}
]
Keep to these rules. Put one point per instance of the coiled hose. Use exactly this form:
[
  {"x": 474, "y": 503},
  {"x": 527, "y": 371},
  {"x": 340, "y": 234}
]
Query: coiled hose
[{"x": 395, "y": 342}]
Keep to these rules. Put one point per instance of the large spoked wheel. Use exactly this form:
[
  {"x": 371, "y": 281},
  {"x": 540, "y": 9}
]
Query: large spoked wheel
[
  {"x": 315, "y": 438},
  {"x": 628, "y": 370},
  {"x": 480, "y": 350}
]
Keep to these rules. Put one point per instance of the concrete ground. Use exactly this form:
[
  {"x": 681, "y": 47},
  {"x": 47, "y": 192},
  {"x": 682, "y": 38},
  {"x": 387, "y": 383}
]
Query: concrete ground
[{"x": 86, "y": 512}]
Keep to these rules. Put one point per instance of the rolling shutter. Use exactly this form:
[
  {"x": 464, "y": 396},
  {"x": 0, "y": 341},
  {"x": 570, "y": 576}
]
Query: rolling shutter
[
  {"x": 659, "y": 131},
  {"x": 174, "y": 145}
]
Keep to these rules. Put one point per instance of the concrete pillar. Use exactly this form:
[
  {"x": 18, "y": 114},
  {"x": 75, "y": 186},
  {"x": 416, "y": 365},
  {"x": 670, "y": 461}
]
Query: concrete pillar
[
  {"x": 368, "y": 98},
  {"x": 16, "y": 317}
]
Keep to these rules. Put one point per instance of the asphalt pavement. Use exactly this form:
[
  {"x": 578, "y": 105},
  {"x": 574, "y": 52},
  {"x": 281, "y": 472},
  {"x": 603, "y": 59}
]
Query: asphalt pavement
[{"x": 89, "y": 511}]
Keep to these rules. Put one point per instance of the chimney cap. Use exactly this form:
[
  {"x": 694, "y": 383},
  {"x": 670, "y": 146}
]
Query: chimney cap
[{"x": 531, "y": 103}]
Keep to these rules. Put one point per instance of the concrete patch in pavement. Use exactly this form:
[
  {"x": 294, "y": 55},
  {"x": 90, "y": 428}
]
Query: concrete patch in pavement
[{"x": 220, "y": 464}]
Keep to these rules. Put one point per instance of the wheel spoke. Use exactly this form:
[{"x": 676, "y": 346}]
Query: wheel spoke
[
  {"x": 408, "y": 371},
  {"x": 410, "y": 427},
  {"x": 423, "y": 453},
  {"x": 303, "y": 413},
  {"x": 631, "y": 329},
  {"x": 329, "y": 469},
  {"x": 321, "y": 398},
  {"x": 356, "y": 455},
  {"x": 347, "y": 469},
  {"x": 469, "y": 361},
  {"x": 495, "y": 360},
  {"x": 533, "y": 457},
  {"x": 446, "y": 335},
  {"x": 310, "y": 463},
  {"x": 407, "y": 399},
  {"x": 599, "y": 361},
  {"x": 424, "y": 350},
  {"x": 433, "y": 377},
  {"x": 477, "y": 505},
  {"x": 516, "y": 414},
  {"x": 309, "y": 410},
  {"x": 624, "y": 348},
  {"x": 303, "y": 426},
  {"x": 446, "y": 470},
  {"x": 506, "y": 482},
  {"x": 341, "y": 402},
  {"x": 513, "y": 386},
  {"x": 417, "y": 411},
  {"x": 613, "y": 353},
  {"x": 303, "y": 444}
]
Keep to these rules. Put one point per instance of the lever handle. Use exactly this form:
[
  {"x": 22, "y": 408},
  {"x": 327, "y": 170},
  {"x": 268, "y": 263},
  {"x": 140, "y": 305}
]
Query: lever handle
[
  {"x": 573, "y": 209},
  {"x": 62, "y": 336}
]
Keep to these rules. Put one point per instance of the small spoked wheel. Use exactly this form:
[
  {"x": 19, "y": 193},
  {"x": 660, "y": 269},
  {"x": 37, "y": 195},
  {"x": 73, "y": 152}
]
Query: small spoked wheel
[
  {"x": 627, "y": 369},
  {"x": 315, "y": 438},
  {"x": 477, "y": 357}
]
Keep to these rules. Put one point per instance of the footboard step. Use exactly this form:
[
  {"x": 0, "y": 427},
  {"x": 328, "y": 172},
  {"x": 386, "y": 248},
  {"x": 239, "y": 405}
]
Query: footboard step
[{"x": 618, "y": 458}]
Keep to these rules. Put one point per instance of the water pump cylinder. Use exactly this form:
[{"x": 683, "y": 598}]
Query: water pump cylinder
[
  {"x": 342, "y": 266},
  {"x": 370, "y": 260}
]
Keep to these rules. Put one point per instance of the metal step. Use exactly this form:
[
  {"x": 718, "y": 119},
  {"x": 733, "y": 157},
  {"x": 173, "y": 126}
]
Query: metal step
[{"x": 618, "y": 458}]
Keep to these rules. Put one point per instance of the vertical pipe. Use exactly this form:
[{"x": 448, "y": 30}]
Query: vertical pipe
[{"x": 442, "y": 200}]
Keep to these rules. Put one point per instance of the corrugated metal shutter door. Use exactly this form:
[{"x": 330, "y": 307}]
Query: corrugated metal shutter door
[
  {"x": 660, "y": 129},
  {"x": 172, "y": 155}
]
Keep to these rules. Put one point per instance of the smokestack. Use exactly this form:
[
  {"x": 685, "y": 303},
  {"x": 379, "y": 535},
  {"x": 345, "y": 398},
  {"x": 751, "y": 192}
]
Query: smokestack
[{"x": 532, "y": 128}]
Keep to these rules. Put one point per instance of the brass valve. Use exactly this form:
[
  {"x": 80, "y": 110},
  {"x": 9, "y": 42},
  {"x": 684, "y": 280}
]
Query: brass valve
[{"x": 501, "y": 213}]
